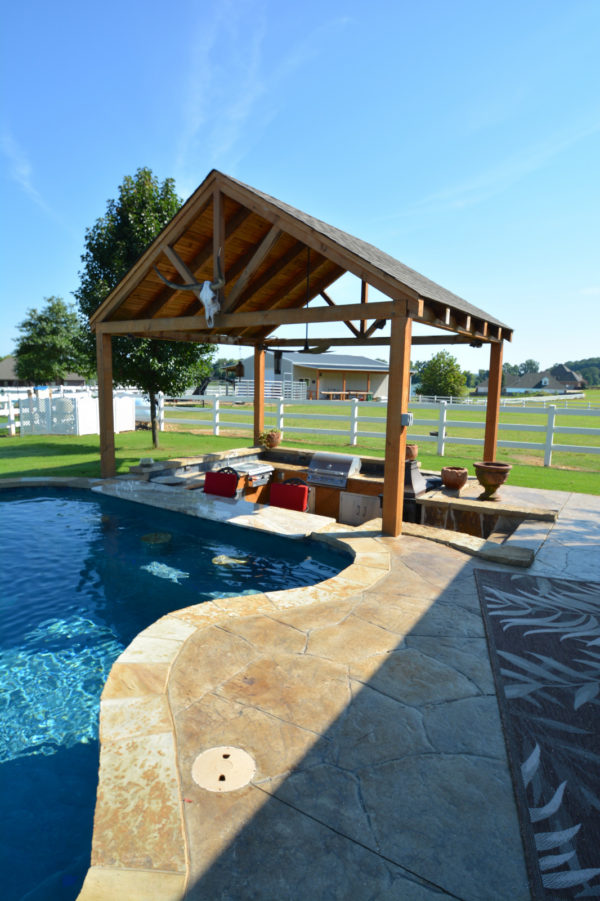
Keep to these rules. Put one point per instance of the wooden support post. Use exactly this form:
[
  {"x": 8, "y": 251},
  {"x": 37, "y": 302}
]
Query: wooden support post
[
  {"x": 395, "y": 433},
  {"x": 492, "y": 413},
  {"x": 259, "y": 392},
  {"x": 105, "y": 405}
]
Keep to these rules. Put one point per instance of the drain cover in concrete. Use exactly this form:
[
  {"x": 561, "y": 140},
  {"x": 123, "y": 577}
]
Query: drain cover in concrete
[{"x": 223, "y": 769}]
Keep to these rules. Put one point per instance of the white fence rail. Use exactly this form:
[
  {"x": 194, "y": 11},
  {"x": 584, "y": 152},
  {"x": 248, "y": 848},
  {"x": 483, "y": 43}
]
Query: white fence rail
[
  {"x": 353, "y": 421},
  {"x": 354, "y": 418}
]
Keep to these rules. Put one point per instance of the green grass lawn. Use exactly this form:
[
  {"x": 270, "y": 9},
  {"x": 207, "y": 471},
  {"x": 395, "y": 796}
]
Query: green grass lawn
[{"x": 62, "y": 455}]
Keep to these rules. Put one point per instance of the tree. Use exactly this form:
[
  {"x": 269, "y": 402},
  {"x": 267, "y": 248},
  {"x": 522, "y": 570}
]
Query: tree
[
  {"x": 510, "y": 369},
  {"x": 442, "y": 376},
  {"x": 50, "y": 344},
  {"x": 115, "y": 241},
  {"x": 529, "y": 366}
]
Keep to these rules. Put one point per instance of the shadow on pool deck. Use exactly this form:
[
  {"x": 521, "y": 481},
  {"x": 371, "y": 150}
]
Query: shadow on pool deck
[{"x": 381, "y": 767}]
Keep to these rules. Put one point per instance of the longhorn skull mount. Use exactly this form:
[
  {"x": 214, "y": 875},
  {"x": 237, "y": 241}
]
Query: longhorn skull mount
[{"x": 207, "y": 292}]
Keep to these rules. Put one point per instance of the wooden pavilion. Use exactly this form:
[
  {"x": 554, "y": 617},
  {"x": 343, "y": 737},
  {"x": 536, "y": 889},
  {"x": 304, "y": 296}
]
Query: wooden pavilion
[{"x": 266, "y": 262}]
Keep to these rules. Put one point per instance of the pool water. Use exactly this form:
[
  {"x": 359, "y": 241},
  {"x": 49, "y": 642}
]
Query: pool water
[{"x": 80, "y": 575}]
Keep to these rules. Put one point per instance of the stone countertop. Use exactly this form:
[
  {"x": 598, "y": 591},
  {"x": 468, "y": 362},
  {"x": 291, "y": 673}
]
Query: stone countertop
[{"x": 234, "y": 511}]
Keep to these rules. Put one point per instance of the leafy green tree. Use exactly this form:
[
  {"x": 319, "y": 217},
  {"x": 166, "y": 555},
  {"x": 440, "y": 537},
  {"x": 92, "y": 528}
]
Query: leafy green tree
[
  {"x": 529, "y": 366},
  {"x": 112, "y": 245},
  {"x": 442, "y": 376},
  {"x": 50, "y": 344},
  {"x": 510, "y": 369}
]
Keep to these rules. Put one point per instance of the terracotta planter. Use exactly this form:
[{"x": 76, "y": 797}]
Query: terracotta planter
[
  {"x": 454, "y": 477},
  {"x": 270, "y": 439},
  {"x": 490, "y": 476},
  {"x": 411, "y": 451}
]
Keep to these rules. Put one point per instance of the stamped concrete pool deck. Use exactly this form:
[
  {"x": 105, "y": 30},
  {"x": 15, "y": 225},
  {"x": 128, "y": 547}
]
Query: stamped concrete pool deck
[{"x": 368, "y": 705}]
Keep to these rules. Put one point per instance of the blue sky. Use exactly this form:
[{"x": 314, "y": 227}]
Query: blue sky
[{"x": 461, "y": 137}]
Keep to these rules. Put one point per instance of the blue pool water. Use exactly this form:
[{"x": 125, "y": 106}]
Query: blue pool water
[{"x": 80, "y": 575}]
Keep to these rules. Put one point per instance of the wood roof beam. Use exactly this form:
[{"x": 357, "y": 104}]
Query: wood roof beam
[
  {"x": 198, "y": 337},
  {"x": 257, "y": 259},
  {"x": 417, "y": 340},
  {"x": 257, "y": 318}
]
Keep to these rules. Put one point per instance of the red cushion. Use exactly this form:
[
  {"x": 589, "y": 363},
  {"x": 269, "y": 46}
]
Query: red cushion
[
  {"x": 291, "y": 497},
  {"x": 222, "y": 483}
]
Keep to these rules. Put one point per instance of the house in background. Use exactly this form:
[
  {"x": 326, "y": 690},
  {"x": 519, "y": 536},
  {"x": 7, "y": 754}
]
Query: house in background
[
  {"x": 327, "y": 376},
  {"x": 558, "y": 380},
  {"x": 10, "y": 379}
]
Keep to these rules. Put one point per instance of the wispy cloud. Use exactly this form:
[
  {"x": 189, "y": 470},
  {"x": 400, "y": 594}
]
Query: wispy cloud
[
  {"x": 590, "y": 291},
  {"x": 493, "y": 181},
  {"x": 499, "y": 178},
  {"x": 20, "y": 169},
  {"x": 232, "y": 91}
]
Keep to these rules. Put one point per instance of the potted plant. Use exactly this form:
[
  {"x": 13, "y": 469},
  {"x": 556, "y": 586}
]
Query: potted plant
[{"x": 270, "y": 438}]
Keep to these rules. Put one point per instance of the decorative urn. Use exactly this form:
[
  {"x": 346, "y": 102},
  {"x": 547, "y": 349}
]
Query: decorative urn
[{"x": 490, "y": 475}]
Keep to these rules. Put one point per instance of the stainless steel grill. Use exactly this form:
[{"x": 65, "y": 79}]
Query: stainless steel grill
[
  {"x": 333, "y": 470},
  {"x": 257, "y": 473}
]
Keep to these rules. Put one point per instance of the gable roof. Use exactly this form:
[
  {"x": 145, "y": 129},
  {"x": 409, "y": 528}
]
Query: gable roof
[{"x": 268, "y": 249}]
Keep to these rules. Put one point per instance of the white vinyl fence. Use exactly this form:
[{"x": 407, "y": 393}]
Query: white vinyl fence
[
  {"x": 76, "y": 415},
  {"x": 351, "y": 420},
  {"x": 355, "y": 416}
]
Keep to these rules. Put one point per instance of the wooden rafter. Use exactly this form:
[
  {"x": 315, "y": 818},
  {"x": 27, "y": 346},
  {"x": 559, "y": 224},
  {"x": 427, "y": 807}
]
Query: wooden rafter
[
  {"x": 257, "y": 259},
  {"x": 317, "y": 283},
  {"x": 295, "y": 283}
]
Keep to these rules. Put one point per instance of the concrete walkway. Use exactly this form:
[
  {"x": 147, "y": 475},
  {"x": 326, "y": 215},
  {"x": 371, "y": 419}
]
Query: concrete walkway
[{"x": 381, "y": 770}]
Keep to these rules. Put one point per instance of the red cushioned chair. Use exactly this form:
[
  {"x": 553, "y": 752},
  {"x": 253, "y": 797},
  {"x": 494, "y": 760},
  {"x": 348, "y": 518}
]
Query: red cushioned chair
[
  {"x": 289, "y": 495},
  {"x": 223, "y": 482}
]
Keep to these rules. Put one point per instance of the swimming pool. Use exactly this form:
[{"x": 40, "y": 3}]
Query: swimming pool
[{"x": 80, "y": 576}]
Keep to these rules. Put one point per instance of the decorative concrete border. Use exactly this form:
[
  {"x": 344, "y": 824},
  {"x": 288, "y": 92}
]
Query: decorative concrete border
[{"x": 139, "y": 848}]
